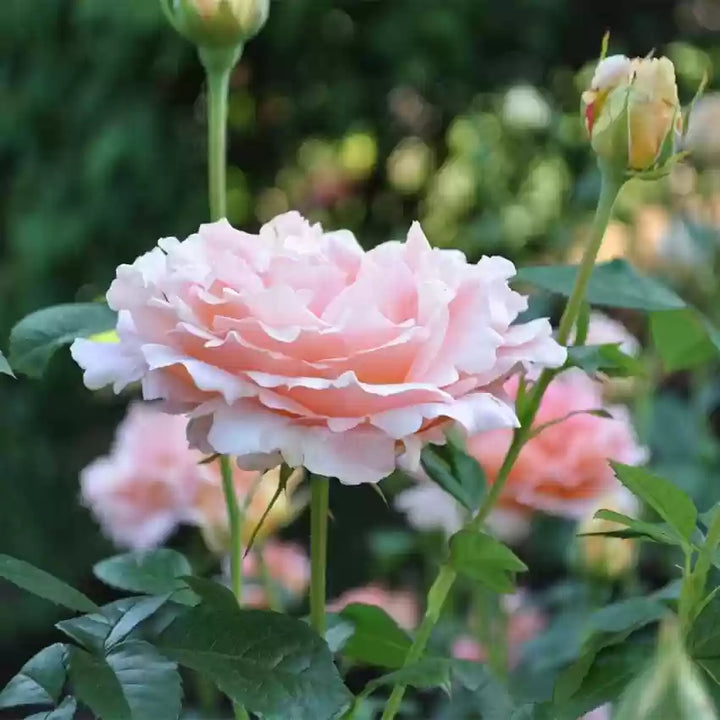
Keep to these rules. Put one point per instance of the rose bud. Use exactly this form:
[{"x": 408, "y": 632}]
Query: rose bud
[{"x": 632, "y": 113}]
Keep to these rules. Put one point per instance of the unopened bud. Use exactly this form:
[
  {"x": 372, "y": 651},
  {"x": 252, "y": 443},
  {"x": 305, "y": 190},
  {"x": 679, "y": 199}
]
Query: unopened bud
[
  {"x": 217, "y": 23},
  {"x": 633, "y": 115}
]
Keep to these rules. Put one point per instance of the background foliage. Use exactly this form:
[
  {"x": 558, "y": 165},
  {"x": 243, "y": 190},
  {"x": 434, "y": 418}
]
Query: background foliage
[{"x": 361, "y": 113}]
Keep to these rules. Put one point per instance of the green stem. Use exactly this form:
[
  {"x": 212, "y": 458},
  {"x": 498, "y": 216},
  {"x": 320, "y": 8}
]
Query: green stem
[
  {"x": 436, "y": 599},
  {"x": 319, "y": 507},
  {"x": 218, "y": 64},
  {"x": 440, "y": 589},
  {"x": 235, "y": 526}
]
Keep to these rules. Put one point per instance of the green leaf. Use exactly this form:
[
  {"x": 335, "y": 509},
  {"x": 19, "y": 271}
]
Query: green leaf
[
  {"x": 613, "y": 284},
  {"x": 424, "y": 674},
  {"x": 43, "y": 584},
  {"x": 683, "y": 338},
  {"x": 483, "y": 558},
  {"x": 112, "y": 624},
  {"x": 271, "y": 664},
  {"x": 40, "y": 680},
  {"x": 608, "y": 675},
  {"x": 338, "y": 632},
  {"x": 607, "y": 359},
  {"x": 668, "y": 501},
  {"x": 630, "y": 614},
  {"x": 64, "y": 711},
  {"x": 34, "y": 340},
  {"x": 132, "y": 682},
  {"x": 5, "y": 368},
  {"x": 155, "y": 572},
  {"x": 376, "y": 639},
  {"x": 704, "y": 636},
  {"x": 455, "y": 472},
  {"x": 96, "y": 685},
  {"x": 636, "y": 529}
]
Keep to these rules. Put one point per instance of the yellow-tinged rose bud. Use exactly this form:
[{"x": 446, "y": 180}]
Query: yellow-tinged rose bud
[
  {"x": 602, "y": 556},
  {"x": 632, "y": 113},
  {"x": 217, "y": 23}
]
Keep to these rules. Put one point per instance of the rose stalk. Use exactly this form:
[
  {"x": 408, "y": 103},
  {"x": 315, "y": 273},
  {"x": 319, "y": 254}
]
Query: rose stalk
[
  {"x": 633, "y": 118},
  {"x": 219, "y": 29}
]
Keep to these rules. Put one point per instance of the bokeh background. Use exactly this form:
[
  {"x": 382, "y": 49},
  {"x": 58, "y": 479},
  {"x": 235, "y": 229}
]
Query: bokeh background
[{"x": 360, "y": 113}]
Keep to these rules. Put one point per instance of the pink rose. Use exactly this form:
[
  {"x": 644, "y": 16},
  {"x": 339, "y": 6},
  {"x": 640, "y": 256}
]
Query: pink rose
[
  {"x": 145, "y": 487},
  {"x": 563, "y": 470},
  {"x": 401, "y": 605},
  {"x": 287, "y": 566},
  {"x": 296, "y": 344},
  {"x": 152, "y": 481}
]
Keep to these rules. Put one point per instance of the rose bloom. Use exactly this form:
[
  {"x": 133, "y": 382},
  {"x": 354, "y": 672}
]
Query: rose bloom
[
  {"x": 524, "y": 622},
  {"x": 287, "y": 566},
  {"x": 400, "y": 605},
  {"x": 152, "y": 481},
  {"x": 563, "y": 470},
  {"x": 646, "y": 88},
  {"x": 146, "y": 486},
  {"x": 298, "y": 345}
]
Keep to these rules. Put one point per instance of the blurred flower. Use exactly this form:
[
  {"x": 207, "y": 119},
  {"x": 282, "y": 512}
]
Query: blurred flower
[
  {"x": 524, "y": 108},
  {"x": 632, "y": 112},
  {"x": 287, "y": 566},
  {"x": 152, "y": 481},
  {"x": 428, "y": 507},
  {"x": 298, "y": 345},
  {"x": 562, "y": 470},
  {"x": 401, "y": 605},
  {"x": 254, "y": 492},
  {"x": 603, "y": 330},
  {"x": 524, "y": 622},
  {"x": 607, "y": 557},
  {"x": 217, "y": 23},
  {"x": 702, "y": 138},
  {"x": 146, "y": 486}
]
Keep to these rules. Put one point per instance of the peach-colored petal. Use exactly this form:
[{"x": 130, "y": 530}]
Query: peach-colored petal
[{"x": 299, "y": 346}]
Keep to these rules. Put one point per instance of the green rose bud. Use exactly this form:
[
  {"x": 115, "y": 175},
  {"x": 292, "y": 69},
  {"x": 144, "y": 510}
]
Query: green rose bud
[{"x": 217, "y": 23}]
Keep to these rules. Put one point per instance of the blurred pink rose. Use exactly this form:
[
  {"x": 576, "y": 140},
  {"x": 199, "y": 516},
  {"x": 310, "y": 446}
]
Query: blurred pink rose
[
  {"x": 287, "y": 565},
  {"x": 401, "y": 605},
  {"x": 604, "y": 330},
  {"x": 152, "y": 481},
  {"x": 524, "y": 622},
  {"x": 563, "y": 470},
  {"x": 146, "y": 486},
  {"x": 299, "y": 345}
]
